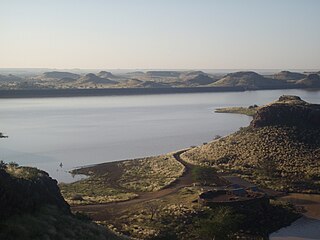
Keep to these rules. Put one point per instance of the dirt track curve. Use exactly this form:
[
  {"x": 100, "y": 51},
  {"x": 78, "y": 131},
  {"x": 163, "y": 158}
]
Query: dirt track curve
[{"x": 99, "y": 211}]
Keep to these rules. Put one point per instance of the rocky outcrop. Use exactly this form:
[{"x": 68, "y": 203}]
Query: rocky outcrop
[
  {"x": 288, "y": 111},
  {"x": 21, "y": 194}
]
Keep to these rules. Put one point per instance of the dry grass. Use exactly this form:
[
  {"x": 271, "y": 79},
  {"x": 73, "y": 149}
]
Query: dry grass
[
  {"x": 251, "y": 111},
  {"x": 93, "y": 191},
  {"x": 150, "y": 174},
  {"x": 295, "y": 154},
  {"x": 124, "y": 180}
]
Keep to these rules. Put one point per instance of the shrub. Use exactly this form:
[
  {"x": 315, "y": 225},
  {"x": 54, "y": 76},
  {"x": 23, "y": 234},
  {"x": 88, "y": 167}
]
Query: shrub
[{"x": 204, "y": 175}]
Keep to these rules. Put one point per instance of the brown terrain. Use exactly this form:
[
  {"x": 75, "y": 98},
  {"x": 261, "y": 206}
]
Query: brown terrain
[{"x": 100, "y": 212}]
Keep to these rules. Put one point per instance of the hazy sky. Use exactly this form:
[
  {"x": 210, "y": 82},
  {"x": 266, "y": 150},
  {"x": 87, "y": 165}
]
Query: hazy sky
[{"x": 193, "y": 34}]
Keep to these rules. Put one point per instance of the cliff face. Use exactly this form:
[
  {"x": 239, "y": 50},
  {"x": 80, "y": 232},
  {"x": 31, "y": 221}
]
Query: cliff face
[
  {"x": 22, "y": 194},
  {"x": 288, "y": 111}
]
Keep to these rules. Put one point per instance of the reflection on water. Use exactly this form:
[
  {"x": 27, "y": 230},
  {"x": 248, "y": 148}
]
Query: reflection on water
[
  {"x": 79, "y": 131},
  {"x": 307, "y": 227}
]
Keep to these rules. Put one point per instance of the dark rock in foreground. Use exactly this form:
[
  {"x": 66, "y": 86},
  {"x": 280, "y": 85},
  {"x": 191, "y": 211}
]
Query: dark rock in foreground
[
  {"x": 25, "y": 194},
  {"x": 288, "y": 111}
]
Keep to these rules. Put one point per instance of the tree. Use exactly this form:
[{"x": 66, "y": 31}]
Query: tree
[
  {"x": 204, "y": 175},
  {"x": 153, "y": 208},
  {"x": 267, "y": 167}
]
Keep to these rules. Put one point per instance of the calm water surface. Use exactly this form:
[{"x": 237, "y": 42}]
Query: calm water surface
[
  {"x": 307, "y": 227},
  {"x": 44, "y": 132},
  {"x": 79, "y": 131}
]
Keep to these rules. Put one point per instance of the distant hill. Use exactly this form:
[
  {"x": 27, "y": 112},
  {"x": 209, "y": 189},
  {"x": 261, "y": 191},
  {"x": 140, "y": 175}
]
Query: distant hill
[
  {"x": 10, "y": 78},
  {"x": 280, "y": 148},
  {"x": 250, "y": 80},
  {"x": 135, "y": 73},
  {"x": 67, "y": 80},
  {"x": 130, "y": 83},
  {"x": 136, "y": 83},
  {"x": 151, "y": 84},
  {"x": 184, "y": 75},
  {"x": 198, "y": 79},
  {"x": 312, "y": 80},
  {"x": 94, "y": 79},
  {"x": 105, "y": 74},
  {"x": 163, "y": 73},
  {"x": 59, "y": 75},
  {"x": 287, "y": 75}
]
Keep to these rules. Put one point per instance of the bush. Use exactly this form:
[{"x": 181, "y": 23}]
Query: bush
[
  {"x": 220, "y": 224},
  {"x": 204, "y": 175},
  {"x": 3, "y": 165}
]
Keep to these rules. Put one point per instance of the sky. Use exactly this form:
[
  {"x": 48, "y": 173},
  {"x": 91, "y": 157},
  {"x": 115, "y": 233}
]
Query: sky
[{"x": 160, "y": 34}]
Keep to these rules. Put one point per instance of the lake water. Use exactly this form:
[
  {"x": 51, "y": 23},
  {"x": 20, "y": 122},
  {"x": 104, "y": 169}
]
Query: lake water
[
  {"x": 307, "y": 227},
  {"x": 44, "y": 132},
  {"x": 80, "y": 131}
]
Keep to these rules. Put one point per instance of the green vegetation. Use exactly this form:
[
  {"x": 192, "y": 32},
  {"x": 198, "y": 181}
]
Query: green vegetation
[
  {"x": 93, "y": 190},
  {"x": 249, "y": 111},
  {"x": 151, "y": 173},
  {"x": 222, "y": 224},
  {"x": 48, "y": 222},
  {"x": 179, "y": 217},
  {"x": 27, "y": 173},
  {"x": 120, "y": 181},
  {"x": 204, "y": 175}
]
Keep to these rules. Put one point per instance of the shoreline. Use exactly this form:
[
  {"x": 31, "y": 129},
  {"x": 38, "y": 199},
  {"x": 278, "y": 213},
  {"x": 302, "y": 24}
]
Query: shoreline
[{"x": 44, "y": 93}]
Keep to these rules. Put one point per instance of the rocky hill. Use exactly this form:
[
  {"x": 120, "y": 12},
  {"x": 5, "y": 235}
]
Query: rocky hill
[
  {"x": 280, "y": 149},
  {"x": 288, "y": 111},
  {"x": 198, "y": 79},
  {"x": 94, "y": 79},
  {"x": 312, "y": 80},
  {"x": 10, "y": 78},
  {"x": 105, "y": 74},
  {"x": 249, "y": 80},
  {"x": 163, "y": 73},
  {"x": 59, "y": 75},
  {"x": 287, "y": 76},
  {"x": 25, "y": 189},
  {"x": 32, "y": 208}
]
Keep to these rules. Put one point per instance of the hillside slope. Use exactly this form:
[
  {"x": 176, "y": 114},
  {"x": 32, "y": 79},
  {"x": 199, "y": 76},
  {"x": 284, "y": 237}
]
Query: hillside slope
[
  {"x": 312, "y": 80},
  {"x": 280, "y": 149},
  {"x": 250, "y": 80},
  {"x": 32, "y": 208},
  {"x": 287, "y": 76}
]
